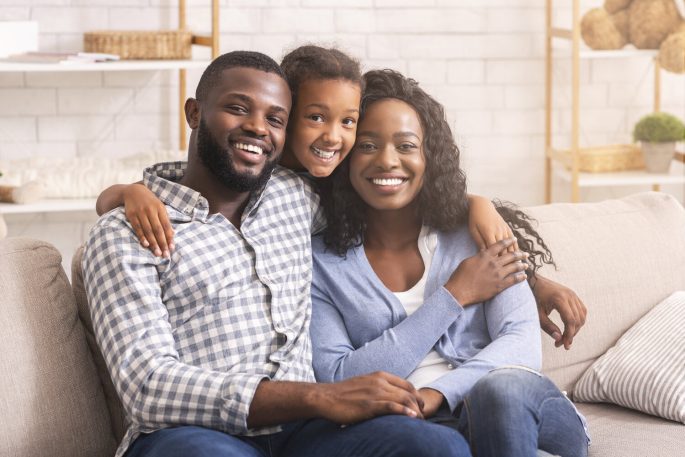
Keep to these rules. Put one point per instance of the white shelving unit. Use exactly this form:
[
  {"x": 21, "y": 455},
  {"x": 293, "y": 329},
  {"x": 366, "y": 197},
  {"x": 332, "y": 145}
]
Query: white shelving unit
[
  {"x": 121, "y": 65},
  {"x": 212, "y": 41},
  {"x": 565, "y": 163},
  {"x": 50, "y": 206}
]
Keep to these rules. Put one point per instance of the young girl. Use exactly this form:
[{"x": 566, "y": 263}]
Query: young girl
[
  {"x": 326, "y": 86},
  {"x": 400, "y": 286}
]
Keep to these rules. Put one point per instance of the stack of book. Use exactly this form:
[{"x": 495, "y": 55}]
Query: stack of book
[{"x": 60, "y": 57}]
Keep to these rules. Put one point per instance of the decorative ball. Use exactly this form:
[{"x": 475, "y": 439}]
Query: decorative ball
[
  {"x": 600, "y": 30},
  {"x": 651, "y": 22}
]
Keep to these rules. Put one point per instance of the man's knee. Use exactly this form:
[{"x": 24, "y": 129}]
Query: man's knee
[
  {"x": 418, "y": 438},
  {"x": 190, "y": 441}
]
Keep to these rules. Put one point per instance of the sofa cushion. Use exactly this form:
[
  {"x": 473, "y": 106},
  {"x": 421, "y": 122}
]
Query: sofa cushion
[
  {"x": 621, "y": 257},
  {"x": 50, "y": 394},
  {"x": 621, "y": 432},
  {"x": 646, "y": 369},
  {"x": 116, "y": 410}
]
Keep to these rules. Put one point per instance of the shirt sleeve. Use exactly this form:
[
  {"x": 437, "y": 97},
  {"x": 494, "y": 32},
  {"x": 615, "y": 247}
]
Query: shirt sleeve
[
  {"x": 397, "y": 350},
  {"x": 312, "y": 196},
  {"x": 133, "y": 331},
  {"x": 514, "y": 327}
]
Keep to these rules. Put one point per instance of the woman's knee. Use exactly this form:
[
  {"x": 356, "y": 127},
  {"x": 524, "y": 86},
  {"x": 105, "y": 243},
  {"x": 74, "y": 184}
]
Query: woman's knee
[{"x": 511, "y": 386}]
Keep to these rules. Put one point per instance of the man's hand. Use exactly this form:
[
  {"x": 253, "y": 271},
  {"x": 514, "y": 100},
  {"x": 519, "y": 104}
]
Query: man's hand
[
  {"x": 365, "y": 397},
  {"x": 432, "y": 399},
  {"x": 347, "y": 402},
  {"x": 551, "y": 296}
]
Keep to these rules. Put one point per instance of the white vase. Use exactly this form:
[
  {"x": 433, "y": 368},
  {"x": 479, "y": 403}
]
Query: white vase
[{"x": 658, "y": 156}]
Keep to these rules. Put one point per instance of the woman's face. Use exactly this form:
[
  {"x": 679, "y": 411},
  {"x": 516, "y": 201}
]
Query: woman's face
[
  {"x": 323, "y": 125},
  {"x": 388, "y": 163}
]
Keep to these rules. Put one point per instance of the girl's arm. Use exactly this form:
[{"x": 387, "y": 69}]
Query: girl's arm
[
  {"x": 486, "y": 225},
  {"x": 146, "y": 213},
  {"x": 549, "y": 295}
]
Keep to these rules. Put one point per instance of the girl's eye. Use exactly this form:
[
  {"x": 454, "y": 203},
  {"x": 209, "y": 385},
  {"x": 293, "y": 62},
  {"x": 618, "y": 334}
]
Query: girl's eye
[
  {"x": 316, "y": 117},
  {"x": 349, "y": 122}
]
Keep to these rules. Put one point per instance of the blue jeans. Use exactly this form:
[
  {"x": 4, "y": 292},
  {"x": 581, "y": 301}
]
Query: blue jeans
[
  {"x": 514, "y": 412},
  {"x": 387, "y": 436}
]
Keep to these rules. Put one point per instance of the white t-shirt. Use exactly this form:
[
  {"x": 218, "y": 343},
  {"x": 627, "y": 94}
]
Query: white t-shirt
[{"x": 432, "y": 366}]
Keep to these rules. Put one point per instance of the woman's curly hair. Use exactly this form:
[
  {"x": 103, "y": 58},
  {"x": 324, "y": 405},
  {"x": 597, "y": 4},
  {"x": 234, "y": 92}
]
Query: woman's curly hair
[{"x": 443, "y": 202}]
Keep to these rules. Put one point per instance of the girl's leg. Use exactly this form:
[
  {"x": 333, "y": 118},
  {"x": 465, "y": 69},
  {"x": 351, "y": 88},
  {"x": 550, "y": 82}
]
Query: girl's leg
[{"x": 516, "y": 411}]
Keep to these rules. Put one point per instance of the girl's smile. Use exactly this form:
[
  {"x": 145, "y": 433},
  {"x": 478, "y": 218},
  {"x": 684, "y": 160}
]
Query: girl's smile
[{"x": 324, "y": 123}]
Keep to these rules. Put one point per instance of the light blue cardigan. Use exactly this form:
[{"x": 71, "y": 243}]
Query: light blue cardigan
[{"x": 358, "y": 326}]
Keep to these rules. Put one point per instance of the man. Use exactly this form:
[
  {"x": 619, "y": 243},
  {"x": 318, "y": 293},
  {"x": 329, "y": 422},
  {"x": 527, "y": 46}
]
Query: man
[{"x": 209, "y": 349}]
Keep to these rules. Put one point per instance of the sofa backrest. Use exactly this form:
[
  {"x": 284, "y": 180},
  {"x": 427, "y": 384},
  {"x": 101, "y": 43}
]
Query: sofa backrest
[
  {"x": 51, "y": 398},
  {"x": 116, "y": 410},
  {"x": 622, "y": 257}
]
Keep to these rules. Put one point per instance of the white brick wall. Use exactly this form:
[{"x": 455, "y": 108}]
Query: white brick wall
[{"x": 483, "y": 59}]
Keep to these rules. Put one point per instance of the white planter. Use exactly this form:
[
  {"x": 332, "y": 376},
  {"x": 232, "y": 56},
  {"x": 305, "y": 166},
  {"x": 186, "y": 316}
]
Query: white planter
[{"x": 658, "y": 156}]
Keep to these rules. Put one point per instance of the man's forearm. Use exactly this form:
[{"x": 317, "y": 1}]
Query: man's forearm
[{"x": 279, "y": 402}]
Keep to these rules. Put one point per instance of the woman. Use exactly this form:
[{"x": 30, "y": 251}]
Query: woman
[{"x": 400, "y": 286}]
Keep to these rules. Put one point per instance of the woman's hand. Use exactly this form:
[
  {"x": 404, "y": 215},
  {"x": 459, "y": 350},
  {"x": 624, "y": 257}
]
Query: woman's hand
[
  {"x": 486, "y": 225},
  {"x": 432, "y": 400},
  {"x": 149, "y": 219},
  {"x": 487, "y": 273},
  {"x": 552, "y": 296}
]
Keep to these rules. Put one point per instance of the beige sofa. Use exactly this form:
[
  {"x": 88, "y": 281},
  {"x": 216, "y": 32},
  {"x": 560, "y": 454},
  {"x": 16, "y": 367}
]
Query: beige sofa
[{"x": 621, "y": 256}]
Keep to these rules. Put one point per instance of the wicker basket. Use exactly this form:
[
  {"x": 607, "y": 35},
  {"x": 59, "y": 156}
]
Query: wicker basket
[
  {"x": 619, "y": 157},
  {"x": 162, "y": 44}
]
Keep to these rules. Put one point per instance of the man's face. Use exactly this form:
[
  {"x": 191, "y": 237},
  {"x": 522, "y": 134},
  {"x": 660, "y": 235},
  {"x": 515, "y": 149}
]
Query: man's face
[{"x": 242, "y": 127}]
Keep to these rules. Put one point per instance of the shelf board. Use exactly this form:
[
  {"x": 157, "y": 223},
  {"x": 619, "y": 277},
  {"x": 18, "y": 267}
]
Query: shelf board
[
  {"x": 625, "y": 178},
  {"x": 49, "y": 206},
  {"x": 617, "y": 54},
  {"x": 121, "y": 65}
]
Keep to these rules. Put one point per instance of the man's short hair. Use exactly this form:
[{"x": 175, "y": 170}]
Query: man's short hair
[{"x": 245, "y": 59}]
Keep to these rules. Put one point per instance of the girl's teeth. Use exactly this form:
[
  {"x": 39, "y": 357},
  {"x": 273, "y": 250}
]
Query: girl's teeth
[
  {"x": 249, "y": 148},
  {"x": 387, "y": 182},
  {"x": 324, "y": 154}
]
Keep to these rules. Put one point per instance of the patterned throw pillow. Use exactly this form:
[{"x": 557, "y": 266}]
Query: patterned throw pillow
[{"x": 645, "y": 370}]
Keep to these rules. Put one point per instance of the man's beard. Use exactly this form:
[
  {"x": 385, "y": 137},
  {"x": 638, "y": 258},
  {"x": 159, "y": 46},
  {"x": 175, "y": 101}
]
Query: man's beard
[{"x": 217, "y": 159}]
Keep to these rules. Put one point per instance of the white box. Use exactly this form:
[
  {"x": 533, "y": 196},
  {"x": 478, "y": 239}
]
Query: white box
[{"x": 17, "y": 37}]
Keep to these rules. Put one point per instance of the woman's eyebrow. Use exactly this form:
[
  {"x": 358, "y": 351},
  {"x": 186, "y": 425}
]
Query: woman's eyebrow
[{"x": 405, "y": 134}]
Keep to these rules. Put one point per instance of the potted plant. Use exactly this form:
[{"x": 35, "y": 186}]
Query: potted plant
[{"x": 658, "y": 133}]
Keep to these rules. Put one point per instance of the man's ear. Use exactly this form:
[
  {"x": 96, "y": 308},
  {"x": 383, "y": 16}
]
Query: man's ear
[{"x": 192, "y": 109}]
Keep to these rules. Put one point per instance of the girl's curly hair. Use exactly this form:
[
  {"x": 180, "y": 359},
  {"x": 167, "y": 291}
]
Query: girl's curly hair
[
  {"x": 443, "y": 202},
  {"x": 311, "y": 62}
]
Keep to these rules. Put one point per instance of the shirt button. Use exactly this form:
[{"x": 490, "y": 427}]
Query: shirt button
[{"x": 450, "y": 366}]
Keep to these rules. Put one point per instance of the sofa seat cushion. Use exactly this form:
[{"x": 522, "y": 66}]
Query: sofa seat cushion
[
  {"x": 621, "y": 432},
  {"x": 50, "y": 394}
]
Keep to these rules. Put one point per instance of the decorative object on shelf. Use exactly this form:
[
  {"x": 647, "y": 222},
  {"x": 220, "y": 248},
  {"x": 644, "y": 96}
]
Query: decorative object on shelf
[
  {"x": 27, "y": 193},
  {"x": 146, "y": 44},
  {"x": 17, "y": 37},
  {"x": 646, "y": 24},
  {"x": 610, "y": 158},
  {"x": 658, "y": 133},
  {"x": 81, "y": 177}
]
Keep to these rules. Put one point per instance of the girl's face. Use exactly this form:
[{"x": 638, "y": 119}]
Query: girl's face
[
  {"x": 388, "y": 162},
  {"x": 322, "y": 128}
]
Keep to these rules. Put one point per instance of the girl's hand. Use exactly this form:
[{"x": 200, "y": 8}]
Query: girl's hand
[
  {"x": 486, "y": 225},
  {"x": 148, "y": 217},
  {"x": 487, "y": 273},
  {"x": 552, "y": 296}
]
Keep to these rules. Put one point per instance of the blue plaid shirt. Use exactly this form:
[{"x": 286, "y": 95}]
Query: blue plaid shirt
[{"x": 188, "y": 339}]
